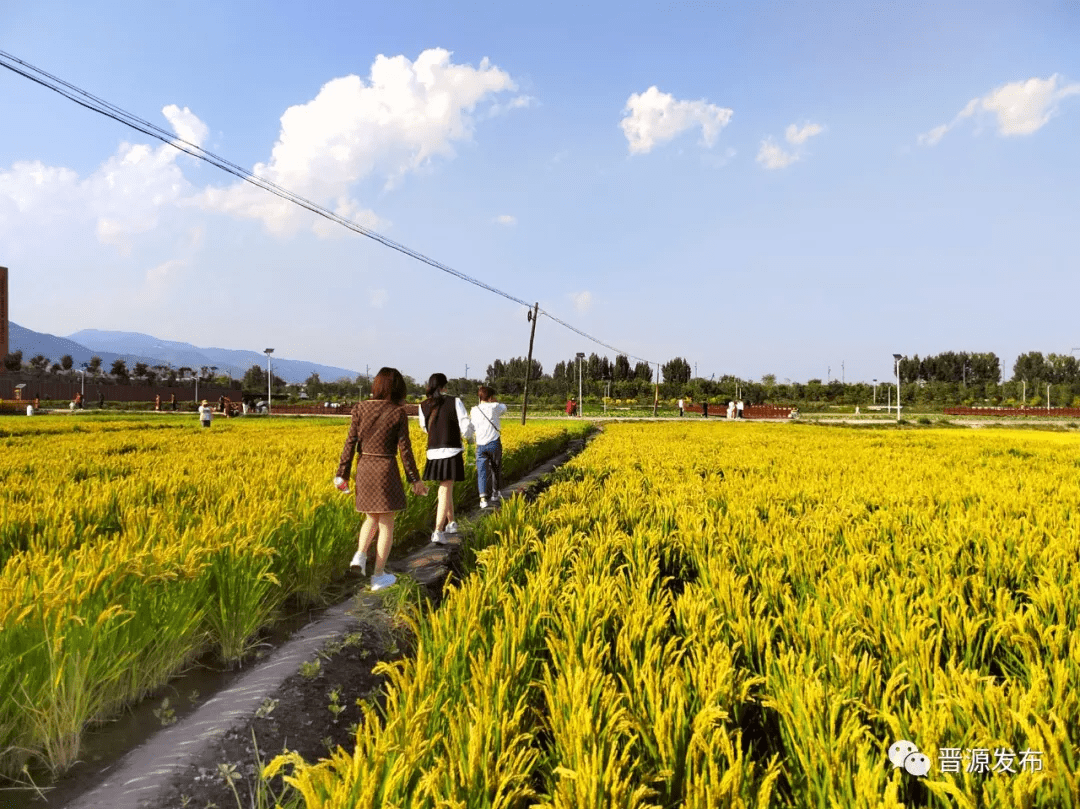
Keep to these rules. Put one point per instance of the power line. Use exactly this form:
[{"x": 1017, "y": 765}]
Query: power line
[{"x": 103, "y": 107}]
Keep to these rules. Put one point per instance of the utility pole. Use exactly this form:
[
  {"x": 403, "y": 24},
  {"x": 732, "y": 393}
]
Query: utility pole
[
  {"x": 841, "y": 372},
  {"x": 466, "y": 372},
  {"x": 656, "y": 395},
  {"x": 528, "y": 363}
]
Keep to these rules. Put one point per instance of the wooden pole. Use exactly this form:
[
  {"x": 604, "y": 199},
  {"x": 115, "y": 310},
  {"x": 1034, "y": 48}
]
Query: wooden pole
[
  {"x": 528, "y": 363},
  {"x": 656, "y": 395}
]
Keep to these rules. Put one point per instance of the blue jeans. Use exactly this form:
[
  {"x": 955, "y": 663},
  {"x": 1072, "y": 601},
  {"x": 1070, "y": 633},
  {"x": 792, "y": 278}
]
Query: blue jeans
[{"x": 489, "y": 462}]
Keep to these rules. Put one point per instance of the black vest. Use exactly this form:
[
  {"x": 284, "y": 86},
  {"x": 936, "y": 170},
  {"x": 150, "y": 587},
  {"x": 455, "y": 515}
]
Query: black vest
[{"x": 444, "y": 432}]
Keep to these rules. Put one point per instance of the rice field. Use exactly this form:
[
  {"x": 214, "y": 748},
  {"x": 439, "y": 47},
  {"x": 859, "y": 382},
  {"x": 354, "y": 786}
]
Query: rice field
[
  {"x": 130, "y": 547},
  {"x": 709, "y": 615}
]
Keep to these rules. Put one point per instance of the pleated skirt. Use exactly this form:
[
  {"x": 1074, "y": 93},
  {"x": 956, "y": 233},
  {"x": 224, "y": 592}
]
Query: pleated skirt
[{"x": 440, "y": 469}]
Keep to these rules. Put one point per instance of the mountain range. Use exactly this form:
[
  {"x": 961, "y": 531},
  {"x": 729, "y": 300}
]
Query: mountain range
[{"x": 133, "y": 347}]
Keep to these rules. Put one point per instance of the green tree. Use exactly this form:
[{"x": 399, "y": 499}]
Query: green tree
[
  {"x": 676, "y": 371},
  {"x": 13, "y": 361},
  {"x": 1030, "y": 367},
  {"x": 119, "y": 369},
  {"x": 621, "y": 371},
  {"x": 95, "y": 365},
  {"x": 254, "y": 378},
  {"x": 66, "y": 362},
  {"x": 643, "y": 371},
  {"x": 39, "y": 363}
]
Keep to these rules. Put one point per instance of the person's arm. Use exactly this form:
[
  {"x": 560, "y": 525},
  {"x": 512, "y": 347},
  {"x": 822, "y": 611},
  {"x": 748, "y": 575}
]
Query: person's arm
[
  {"x": 405, "y": 450},
  {"x": 500, "y": 408},
  {"x": 464, "y": 424},
  {"x": 420, "y": 416},
  {"x": 353, "y": 444}
]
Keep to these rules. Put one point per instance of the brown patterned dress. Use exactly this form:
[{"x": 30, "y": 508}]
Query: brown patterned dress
[{"x": 379, "y": 427}]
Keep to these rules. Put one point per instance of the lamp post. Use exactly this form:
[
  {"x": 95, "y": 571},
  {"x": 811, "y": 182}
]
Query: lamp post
[
  {"x": 896, "y": 363},
  {"x": 1048, "y": 396},
  {"x": 83, "y": 389},
  {"x": 269, "y": 379},
  {"x": 875, "y": 391},
  {"x": 580, "y": 401}
]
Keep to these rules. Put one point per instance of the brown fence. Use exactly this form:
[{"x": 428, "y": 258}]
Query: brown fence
[
  {"x": 325, "y": 410},
  {"x": 52, "y": 389},
  {"x": 1068, "y": 412},
  {"x": 750, "y": 412}
]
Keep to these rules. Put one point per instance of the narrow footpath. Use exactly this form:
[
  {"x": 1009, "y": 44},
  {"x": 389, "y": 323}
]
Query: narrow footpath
[{"x": 143, "y": 776}]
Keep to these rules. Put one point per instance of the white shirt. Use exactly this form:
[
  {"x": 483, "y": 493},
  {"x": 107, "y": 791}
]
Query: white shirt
[
  {"x": 205, "y": 412},
  {"x": 680, "y": 404},
  {"x": 485, "y": 420},
  {"x": 463, "y": 424}
]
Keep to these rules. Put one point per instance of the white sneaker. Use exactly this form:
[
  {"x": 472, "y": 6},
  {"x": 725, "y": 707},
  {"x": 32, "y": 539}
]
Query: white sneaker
[
  {"x": 451, "y": 528},
  {"x": 359, "y": 562},
  {"x": 438, "y": 537},
  {"x": 381, "y": 581},
  {"x": 483, "y": 502}
]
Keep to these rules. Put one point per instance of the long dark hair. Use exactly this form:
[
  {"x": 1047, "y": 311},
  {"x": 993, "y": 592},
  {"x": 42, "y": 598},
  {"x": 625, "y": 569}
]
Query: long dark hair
[{"x": 435, "y": 383}]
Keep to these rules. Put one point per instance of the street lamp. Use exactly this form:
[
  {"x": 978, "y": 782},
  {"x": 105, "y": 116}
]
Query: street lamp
[
  {"x": 875, "y": 391},
  {"x": 269, "y": 378},
  {"x": 580, "y": 401},
  {"x": 896, "y": 363},
  {"x": 83, "y": 389}
]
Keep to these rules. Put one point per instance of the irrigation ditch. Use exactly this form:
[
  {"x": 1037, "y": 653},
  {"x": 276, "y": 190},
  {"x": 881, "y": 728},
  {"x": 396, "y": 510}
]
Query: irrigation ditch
[{"x": 198, "y": 741}]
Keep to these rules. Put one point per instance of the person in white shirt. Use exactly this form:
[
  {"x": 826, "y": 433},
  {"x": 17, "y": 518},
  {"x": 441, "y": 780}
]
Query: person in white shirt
[
  {"x": 681, "y": 403},
  {"x": 485, "y": 421},
  {"x": 445, "y": 421},
  {"x": 205, "y": 413}
]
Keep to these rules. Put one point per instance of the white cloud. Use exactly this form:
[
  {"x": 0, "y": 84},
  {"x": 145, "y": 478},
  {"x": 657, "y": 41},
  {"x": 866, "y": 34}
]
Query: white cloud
[
  {"x": 506, "y": 219},
  {"x": 653, "y": 117},
  {"x": 797, "y": 136},
  {"x": 1020, "y": 107},
  {"x": 582, "y": 301},
  {"x": 186, "y": 124},
  {"x": 772, "y": 156},
  {"x": 378, "y": 298},
  {"x": 121, "y": 199},
  {"x": 399, "y": 120}
]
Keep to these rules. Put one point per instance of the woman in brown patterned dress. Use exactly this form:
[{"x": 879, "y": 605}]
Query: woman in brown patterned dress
[{"x": 379, "y": 426}]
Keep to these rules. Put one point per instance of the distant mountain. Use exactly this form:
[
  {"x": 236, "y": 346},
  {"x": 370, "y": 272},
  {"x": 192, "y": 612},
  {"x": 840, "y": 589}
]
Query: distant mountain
[{"x": 133, "y": 347}]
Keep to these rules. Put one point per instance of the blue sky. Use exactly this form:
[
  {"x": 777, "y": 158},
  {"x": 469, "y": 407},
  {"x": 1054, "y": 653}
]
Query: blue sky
[{"x": 759, "y": 188}]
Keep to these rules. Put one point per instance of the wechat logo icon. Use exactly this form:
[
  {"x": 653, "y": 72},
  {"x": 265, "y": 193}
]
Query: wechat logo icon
[{"x": 906, "y": 754}]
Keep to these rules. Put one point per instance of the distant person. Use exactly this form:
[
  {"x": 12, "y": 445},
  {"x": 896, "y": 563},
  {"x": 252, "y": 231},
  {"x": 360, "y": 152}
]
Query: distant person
[
  {"x": 705, "y": 408},
  {"x": 571, "y": 406},
  {"x": 485, "y": 421},
  {"x": 681, "y": 403},
  {"x": 172, "y": 401},
  {"x": 101, "y": 400},
  {"x": 445, "y": 421},
  {"x": 206, "y": 413},
  {"x": 379, "y": 427},
  {"x": 157, "y": 403},
  {"x": 221, "y": 403},
  {"x": 739, "y": 409},
  {"x": 79, "y": 401},
  {"x": 30, "y": 409},
  {"x": 731, "y": 410}
]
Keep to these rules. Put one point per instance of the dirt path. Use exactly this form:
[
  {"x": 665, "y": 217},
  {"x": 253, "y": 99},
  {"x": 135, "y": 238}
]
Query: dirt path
[{"x": 302, "y": 696}]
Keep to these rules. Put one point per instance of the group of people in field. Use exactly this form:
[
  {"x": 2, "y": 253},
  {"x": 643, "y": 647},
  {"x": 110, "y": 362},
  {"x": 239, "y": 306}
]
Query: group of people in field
[
  {"x": 380, "y": 429},
  {"x": 734, "y": 409}
]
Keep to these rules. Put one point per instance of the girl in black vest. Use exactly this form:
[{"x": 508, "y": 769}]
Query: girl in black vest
[{"x": 446, "y": 422}]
